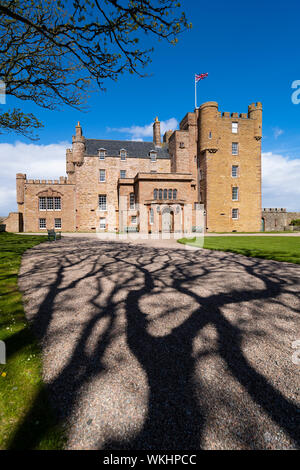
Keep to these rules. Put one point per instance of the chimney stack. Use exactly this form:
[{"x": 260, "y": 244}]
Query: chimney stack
[{"x": 156, "y": 133}]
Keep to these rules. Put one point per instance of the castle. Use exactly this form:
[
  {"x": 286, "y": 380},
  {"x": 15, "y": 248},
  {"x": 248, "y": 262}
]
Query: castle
[{"x": 214, "y": 159}]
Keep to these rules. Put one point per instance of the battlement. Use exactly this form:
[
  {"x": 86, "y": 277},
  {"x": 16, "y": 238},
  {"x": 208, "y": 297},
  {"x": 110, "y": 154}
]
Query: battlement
[
  {"x": 274, "y": 209},
  {"x": 61, "y": 180}
]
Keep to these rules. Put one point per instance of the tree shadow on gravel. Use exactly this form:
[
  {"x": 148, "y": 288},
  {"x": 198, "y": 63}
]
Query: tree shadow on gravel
[{"x": 176, "y": 415}]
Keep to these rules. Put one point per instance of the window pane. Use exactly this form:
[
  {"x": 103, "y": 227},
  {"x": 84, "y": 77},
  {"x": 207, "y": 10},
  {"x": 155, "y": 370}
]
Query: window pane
[
  {"x": 160, "y": 194},
  {"x": 123, "y": 173},
  {"x": 102, "y": 202},
  {"x": 42, "y": 223},
  {"x": 103, "y": 222},
  {"x": 57, "y": 223},
  {"x": 50, "y": 203},
  {"x": 133, "y": 219},
  {"x": 165, "y": 194},
  {"x": 235, "y": 213},
  {"x": 235, "y": 127},
  {"x": 42, "y": 203},
  {"x": 151, "y": 216},
  {"x": 132, "y": 201},
  {"x": 170, "y": 193},
  {"x": 155, "y": 194},
  {"x": 102, "y": 175},
  {"x": 235, "y": 148},
  {"x": 235, "y": 194},
  {"x": 174, "y": 193},
  {"x": 57, "y": 203},
  {"x": 234, "y": 171}
]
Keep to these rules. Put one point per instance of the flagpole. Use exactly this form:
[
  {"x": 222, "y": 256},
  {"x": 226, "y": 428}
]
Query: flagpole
[{"x": 195, "y": 93}]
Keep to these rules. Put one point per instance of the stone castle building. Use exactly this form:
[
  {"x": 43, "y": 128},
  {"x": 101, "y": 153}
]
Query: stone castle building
[{"x": 214, "y": 159}]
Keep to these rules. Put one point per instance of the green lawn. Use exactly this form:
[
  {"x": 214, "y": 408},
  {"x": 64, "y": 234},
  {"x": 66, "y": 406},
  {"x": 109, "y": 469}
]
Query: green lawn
[
  {"x": 26, "y": 419},
  {"x": 277, "y": 248}
]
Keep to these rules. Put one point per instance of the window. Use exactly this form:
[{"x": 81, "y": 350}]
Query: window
[
  {"x": 235, "y": 148},
  {"x": 234, "y": 171},
  {"x": 50, "y": 203},
  {"x": 102, "y": 176},
  {"x": 42, "y": 203},
  {"x": 42, "y": 223},
  {"x": 133, "y": 219},
  {"x": 235, "y": 193},
  {"x": 102, "y": 223},
  {"x": 123, "y": 174},
  {"x": 235, "y": 214},
  {"x": 155, "y": 194},
  {"x": 174, "y": 193},
  {"x": 210, "y": 135},
  {"x": 235, "y": 127},
  {"x": 123, "y": 154},
  {"x": 57, "y": 203},
  {"x": 57, "y": 223},
  {"x": 165, "y": 194},
  {"x": 181, "y": 145},
  {"x": 160, "y": 194},
  {"x": 170, "y": 193},
  {"x": 102, "y": 202},
  {"x": 132, "y": 201},
  {"x": 102, "y": 154},
  {"x": 153, "y": 156},
  {"x": 151, "y": 221}
]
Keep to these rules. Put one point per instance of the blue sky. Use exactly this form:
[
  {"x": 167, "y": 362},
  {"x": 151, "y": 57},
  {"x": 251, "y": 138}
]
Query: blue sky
[{"x": 251, "y": 52}]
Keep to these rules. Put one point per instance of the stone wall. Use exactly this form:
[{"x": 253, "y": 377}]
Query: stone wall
[{"x": 277, "y": 219}]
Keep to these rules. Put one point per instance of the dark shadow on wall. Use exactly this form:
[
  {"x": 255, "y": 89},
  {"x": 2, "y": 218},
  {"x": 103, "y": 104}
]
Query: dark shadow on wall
[{"x": 176, "y": 417}]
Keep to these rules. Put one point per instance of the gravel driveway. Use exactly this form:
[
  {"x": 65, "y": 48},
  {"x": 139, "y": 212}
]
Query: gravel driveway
[{"x": 157, "y": 347}]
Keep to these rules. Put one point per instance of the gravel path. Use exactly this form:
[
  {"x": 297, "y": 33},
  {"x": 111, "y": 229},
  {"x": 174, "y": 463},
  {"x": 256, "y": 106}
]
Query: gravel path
[{"x": 150, "y": 346}]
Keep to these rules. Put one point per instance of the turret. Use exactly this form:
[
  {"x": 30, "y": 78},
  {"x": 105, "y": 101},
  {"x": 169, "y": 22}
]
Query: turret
[
  {"x": 208, "y": 131},
  {"x": 78, "y": 145},
  {"x": 255, "y": 112},
  {"x": 156, "y": 133}
]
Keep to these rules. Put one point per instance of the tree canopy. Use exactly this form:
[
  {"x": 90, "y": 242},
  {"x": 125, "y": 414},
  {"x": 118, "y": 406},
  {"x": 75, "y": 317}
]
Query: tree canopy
[{"x": 54, "y": 53}]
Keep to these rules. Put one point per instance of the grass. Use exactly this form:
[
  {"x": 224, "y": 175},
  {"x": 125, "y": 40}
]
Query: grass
[
  {"x": 277, "y": 248},
  {"x": 26, "y": 419}
]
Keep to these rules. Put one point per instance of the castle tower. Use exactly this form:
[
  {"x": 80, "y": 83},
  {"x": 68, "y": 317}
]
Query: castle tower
[
  {"x": 255, "y": 112},
  {"x": 156, "y": 133},
  {"x": 75, "y": 155}
]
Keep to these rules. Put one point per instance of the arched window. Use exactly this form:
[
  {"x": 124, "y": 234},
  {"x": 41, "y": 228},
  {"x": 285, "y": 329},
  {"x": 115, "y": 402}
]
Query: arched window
[
  {"x": 160, "y": 194},
  {"x": 170, "y": 193},
  {"x": 155, "y": 194},
  {"x": 165, "y": 194},
  {"x": 174, "y": 193}
]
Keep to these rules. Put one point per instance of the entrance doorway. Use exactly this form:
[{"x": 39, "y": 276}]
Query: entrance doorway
[{"x": 167, "y": 220}]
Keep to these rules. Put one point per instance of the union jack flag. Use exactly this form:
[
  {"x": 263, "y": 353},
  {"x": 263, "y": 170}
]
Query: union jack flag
[{"x": 201, "y": 76}]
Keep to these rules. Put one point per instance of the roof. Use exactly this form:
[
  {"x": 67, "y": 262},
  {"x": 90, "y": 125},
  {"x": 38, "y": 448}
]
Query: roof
[{"x": 134, "y": 149}]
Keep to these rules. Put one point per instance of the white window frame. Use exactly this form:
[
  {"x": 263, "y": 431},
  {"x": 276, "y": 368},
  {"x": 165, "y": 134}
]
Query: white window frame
[
  {"x": 102, "y": 154},
  {"x": 50, "y": 203},
  {"x": 237, "y": 193},
  {"x": 102, "y": 225},
  {"x": 102, "y": 202},
  {"x": 57, "y": 224},
  {"x": 101, "y": 173},
  {"x": 235, "y": 148},
  {"x": 234, "y": 127},
  {"x": 237, "y": 214},
  {"x": 42, "y": 202},
  {"x": 45, "y": 227},
  {"x": 236, "y": 167},
  {"x": 123, "y": 155},
  {"x": 57, "y": 203},
  {"x": 133, "y": 220},
  {"x": 132, "y": 201},
  {"x": 153, "y": 156},
  {"x": 122, "y": 172}
]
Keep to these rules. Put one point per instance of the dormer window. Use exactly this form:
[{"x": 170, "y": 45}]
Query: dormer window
[
  {"x": 102, "y": 154},
  {"x": 123, "y": 154},
  {"x": 153, "y": 155}
]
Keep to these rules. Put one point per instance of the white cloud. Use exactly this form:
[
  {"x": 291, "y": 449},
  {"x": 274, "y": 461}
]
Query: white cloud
[
  {"x": 277, "y": 132},
  {"x": 140, "y": 132},
  {"x": 37, "y": 161},
  {"x": 280, "y": 181}
]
